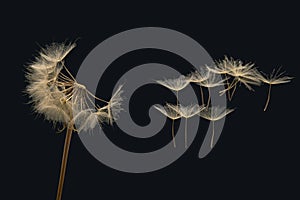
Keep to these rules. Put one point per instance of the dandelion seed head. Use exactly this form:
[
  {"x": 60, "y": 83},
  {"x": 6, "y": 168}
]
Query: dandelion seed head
[
  {"x": 60, "y": 98},
  {"x": 56, "y": 52},
  {"x": 44, "y": 88}
]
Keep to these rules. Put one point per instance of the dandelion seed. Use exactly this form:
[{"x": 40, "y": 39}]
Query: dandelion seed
[
  {"x": 56, "y": 52},
  {"x": 222, "y": 68},
  {"x": 45, "y": 92},
  {"x": 198, "y": 77},
  {"x": 169, "y": 112},
  {"x": 275, "y": 78},
  {"x": 187, "y": 112},
  {"x": 114, "y": 105},
  {"x": 211, "y": 81},
  {"x": 213, "y": 114},
  {"x": 241, "y": 73},
  {"x": 176, "y": 84},
  {"x": 86, "y": 120}
]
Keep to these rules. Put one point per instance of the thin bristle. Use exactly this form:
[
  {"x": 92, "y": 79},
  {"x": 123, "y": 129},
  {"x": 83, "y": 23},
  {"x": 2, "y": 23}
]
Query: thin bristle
[
  {"x": 168, "y": 111},
  {"x": 276, "y": 77},
  {"x": 215, "y": 113},
  {"x": 175, "y": 84}
]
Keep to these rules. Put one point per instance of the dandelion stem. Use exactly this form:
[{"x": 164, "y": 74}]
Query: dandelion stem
[
  {"x": 213, "y": 134},
  {"x": 227, "y": 83},
  {"x": 268, "y": 99},
  {"x": 177, "y": 98},
  {"x": 173, "y": 135},
  {"x": 234, "y": 88},
  {"x": 201, "y": 93},
  {"x": 64, "y": 161},
  {"x": 208, "y": 100},
  {"x": 185, "y": 133}
]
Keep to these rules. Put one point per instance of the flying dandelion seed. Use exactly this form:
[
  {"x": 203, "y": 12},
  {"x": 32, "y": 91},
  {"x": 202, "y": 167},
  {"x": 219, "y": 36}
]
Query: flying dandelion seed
[
  {"x": 56, "y": 53},
  {"x": 245, "y": 74},
  {"x": 213, "y": 114},
  {"x": 275, "y": 78},
  {"x": 175, "y": 84},
  {"x": 56, "y": 95},
  {"x": 221, "y": 68},
  {"x": 198, "y": 76},
  {"x": 169, "y": 112},
  {"x": 187, "y": 112},
  {"x": 211, "y": 81}
]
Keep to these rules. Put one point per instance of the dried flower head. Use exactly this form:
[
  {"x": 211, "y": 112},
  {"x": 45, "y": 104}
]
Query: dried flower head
[
  {"x": 56, "y": 95},
  {"x": 45, "y": 87}
]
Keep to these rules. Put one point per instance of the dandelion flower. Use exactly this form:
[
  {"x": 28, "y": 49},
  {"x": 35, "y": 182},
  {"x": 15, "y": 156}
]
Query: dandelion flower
[
  {"x": 56, "y": 95},
  {"x": 275, "y": 78},
  {"x": 213, "y": 114}
]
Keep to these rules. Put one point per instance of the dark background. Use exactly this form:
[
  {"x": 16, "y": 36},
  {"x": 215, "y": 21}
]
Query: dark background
[{"x": 257, "y": 155}]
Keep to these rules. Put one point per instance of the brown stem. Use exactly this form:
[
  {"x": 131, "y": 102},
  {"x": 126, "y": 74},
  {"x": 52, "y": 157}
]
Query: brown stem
[
  {"x": 213, "y": 135},
  {"x": 173, "y": 135},
  {"x": 268, "y": 99},
  {"x": 64, "y": 161}
]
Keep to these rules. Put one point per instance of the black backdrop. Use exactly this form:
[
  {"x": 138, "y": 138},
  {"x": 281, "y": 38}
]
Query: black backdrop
[{"x": 257, "y": 153}]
